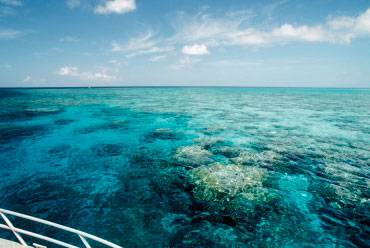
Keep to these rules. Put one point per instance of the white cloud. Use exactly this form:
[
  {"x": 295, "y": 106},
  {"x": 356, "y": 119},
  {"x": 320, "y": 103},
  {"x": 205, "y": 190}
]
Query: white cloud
[
  {"x": 68, "y": 71},
  {"x": 103, "y": 75},
  {"x": 357, "y": 25},
  {"x": 57, "y": 49},
  {"x": 363, "y": 23},
  {"x": 156, "y": 49},
  {"x": 303, "y": 33},
  {"x": 158, "y": 58},
  {"x": 145, "y": 44},
  {"x": 9, "y": 34},
  {"x": 99, "y": 76},
  {"x": 231, "y": 30},
  {"x": 246, "y": 37},
  {"x": 4, "y": 11},
  {"x": 204, "y": 28},
  {"x": 134, "y": 44},
  {"x": 11, "y": 2},
  {"x": 348, "y": 28},
  {"x": 68, "y": 39},
  {"x": 342, "y": 22},
  {"x": 116, "y": 6},
  {"x": 7, "y": 7},
  {"x": 115, "y": 62},
  {"x": 27, "y": 79},
  {"x": 195, "y": 49},
  {"x": 73, "y": 3},
  {"x": 184, "y": 62},
  {"x": 216, "y": 32}
]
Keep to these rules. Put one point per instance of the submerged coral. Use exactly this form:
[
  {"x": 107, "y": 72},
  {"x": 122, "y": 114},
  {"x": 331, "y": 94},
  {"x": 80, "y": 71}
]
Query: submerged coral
[
  {"x": 345, "y": 173},
  {"x": 264, "y": 158},
  {"x": 193, "y": 156},
  {"x": 339, "y": 196},
  {"x": 10, "y": 132},
  {"x": 206, "y": 233},
  {"x": 209, "y": 141},
  {"x": 231, "y": 186},
  {"x": 163, "y": 133},
  {"x": 107, "y": 126},
  {"x": 228, "y": 151},
  {"x": 60, "y": 151},
  {"x": 212, "y": 130},
  {"x": 107, "y": 150},
  {"x": 227, "y": 179}
]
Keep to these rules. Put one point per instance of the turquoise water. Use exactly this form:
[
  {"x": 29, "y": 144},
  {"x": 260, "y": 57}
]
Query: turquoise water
[{"x": 190, "y": 167}]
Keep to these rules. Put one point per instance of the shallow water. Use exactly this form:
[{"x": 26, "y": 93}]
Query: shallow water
[{"x": 190, "y": 167}]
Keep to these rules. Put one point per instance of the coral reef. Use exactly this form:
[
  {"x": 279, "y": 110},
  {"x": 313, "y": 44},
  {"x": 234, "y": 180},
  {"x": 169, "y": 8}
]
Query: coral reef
[
  {"x": 207, "y": 142},
  {"x": 232, "y": 186},
  {"x": 163, "y": 133},
  {"x": 193, "y": 156},
  {"x": 267, "y": 158},
  {"x": 212, "y": 130}
]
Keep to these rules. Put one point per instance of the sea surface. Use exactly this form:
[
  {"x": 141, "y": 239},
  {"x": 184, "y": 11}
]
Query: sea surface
[{"x": 190, "y": 167}]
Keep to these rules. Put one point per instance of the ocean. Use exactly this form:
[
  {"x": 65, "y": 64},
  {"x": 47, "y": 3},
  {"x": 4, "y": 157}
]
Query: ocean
[{"x": 190, "y": 167}]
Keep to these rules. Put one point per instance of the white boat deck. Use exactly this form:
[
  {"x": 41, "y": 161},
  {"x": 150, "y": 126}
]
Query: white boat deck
[{"x": 10, "y": 244}]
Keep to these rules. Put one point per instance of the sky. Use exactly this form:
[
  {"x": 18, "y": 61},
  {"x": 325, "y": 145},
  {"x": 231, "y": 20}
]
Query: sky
[{"x": 282, "y": 43}]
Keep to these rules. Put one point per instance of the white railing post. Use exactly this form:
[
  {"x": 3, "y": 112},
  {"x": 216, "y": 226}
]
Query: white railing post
[
  {"x": 10, "y": 225},
  {"x": 84, "y": 241},
  {"x": 16, "y": 231},
  {"x": 38, "y": 236}
]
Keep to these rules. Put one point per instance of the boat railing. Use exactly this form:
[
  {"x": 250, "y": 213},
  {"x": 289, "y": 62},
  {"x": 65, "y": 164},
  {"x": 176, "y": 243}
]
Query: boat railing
[{"x": 17, "y": 231}]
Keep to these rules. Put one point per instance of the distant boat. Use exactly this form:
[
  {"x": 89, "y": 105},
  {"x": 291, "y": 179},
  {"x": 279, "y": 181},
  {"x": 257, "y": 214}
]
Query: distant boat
[{"x": 89, "y": 87}]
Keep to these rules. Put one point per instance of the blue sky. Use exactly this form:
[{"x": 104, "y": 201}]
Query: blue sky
[{"x": 318, "y": 43}]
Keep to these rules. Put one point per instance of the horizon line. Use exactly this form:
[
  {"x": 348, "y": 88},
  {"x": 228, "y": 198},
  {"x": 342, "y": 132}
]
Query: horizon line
[{"x": 179, "y": 86}]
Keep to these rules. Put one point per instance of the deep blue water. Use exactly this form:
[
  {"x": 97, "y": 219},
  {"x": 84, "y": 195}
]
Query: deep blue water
[{"x": 190, "y": 167}]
